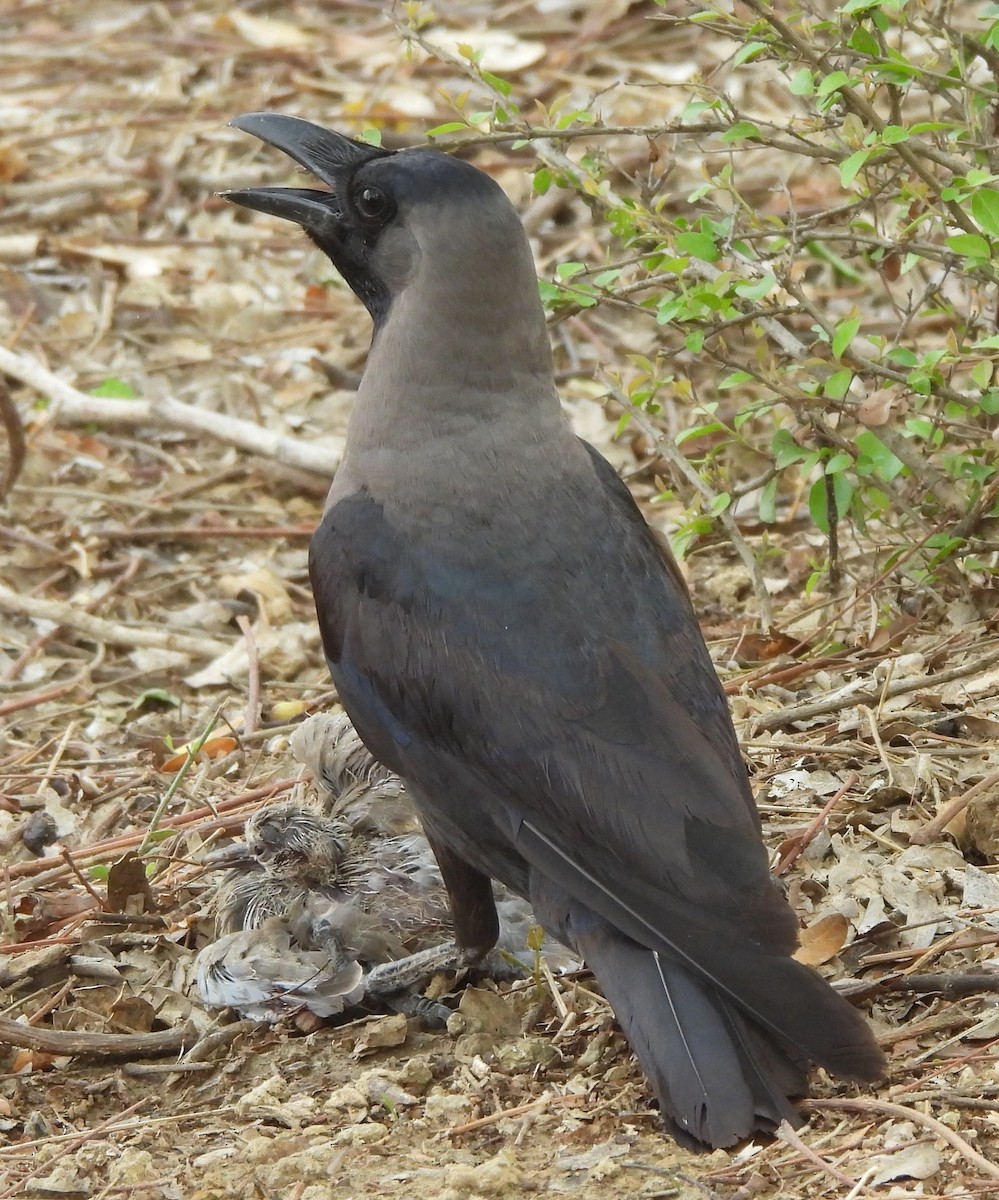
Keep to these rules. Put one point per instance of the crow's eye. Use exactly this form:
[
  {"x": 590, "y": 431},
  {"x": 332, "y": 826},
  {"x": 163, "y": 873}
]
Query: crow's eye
[{"x": 372, "y": 204}]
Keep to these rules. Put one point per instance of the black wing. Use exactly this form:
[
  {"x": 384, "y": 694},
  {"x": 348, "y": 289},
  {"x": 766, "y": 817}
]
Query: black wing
[
  {"x": 560, "y": 717},
  {"x": 574, "y": 696}
]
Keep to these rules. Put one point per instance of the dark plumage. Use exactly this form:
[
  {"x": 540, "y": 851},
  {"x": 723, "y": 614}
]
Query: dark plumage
[{"x": 510, "y": 637}]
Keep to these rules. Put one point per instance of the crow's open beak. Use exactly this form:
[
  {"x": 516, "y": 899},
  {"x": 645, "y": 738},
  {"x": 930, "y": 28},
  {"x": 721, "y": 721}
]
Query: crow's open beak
[{"x": 330, "y": 156}]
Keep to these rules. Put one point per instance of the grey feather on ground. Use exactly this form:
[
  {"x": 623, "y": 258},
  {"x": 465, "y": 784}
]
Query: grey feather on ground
[{"x": 325, "y": 909}]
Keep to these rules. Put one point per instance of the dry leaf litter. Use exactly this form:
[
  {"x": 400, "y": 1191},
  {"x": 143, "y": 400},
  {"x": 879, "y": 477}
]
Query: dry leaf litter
[{"x": 155, "y": 595}]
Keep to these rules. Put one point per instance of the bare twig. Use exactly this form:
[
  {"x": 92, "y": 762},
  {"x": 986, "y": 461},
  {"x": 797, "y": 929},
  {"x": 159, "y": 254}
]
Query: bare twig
[
  {"x": 852, "y": 694},
  {"x": 569, "y": 1101},
  {"x": 10, "y": 418},
  {"x": 801, "y": 843},
  {"x": 252, "y": 716},
  {"x": 97, "y": 1045},
  {"x": 71, "y": 406},
  {"x": 951, "y": 985},
  {"x": 900, "y": 1111},
  {"x": 787, "y": 1133},
  {"x": 98, "y": 629},
  {"x": 932, "y": 830},
  {"x": 195, "y": 820}
]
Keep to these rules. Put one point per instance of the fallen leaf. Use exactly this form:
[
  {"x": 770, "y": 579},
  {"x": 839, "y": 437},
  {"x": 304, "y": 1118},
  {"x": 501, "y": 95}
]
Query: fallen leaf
[
  {"x": 914, "y": 1162},
  {"x": 128, "y": 887},
  {"x": 822, "y": 940},
  {"x": 761, "y": 647},
  {"x": 496, "y": 49},
  {"x": 213, "y": 748},
  {"x": 381, "y": 1033},
  {"x": 269, "y": 33}
]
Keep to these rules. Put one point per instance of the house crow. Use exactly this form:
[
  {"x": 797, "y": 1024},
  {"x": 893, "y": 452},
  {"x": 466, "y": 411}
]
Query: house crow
[{"x": 510, "y": 637}]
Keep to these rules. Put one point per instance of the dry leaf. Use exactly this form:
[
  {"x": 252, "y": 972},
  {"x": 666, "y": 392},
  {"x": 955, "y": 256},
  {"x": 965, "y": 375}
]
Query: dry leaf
[
  {"x": 35, "y": 1060},
  {"x": 483, "y": 1011},
  {"x": 761, "y": 647},
  {"x": 498, "y": 50},
  {"x": 875, "y": 409},
  {"x": 822, "y": 940},
  {"x": 213, "y": 748},
  {"x": 381, "y": 1033},
  {"x": 269, "y": 33},
  {"x": 912, "y": 1162},
  {"x": 128, "y": 887}
]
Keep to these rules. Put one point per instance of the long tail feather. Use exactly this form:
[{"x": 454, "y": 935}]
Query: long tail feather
[{"x": 715, "y": 1086}]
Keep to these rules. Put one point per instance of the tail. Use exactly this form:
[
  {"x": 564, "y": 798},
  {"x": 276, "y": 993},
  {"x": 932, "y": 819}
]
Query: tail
[
  {"x": 723, "y": 1063},
  {"x": 718, "y": 1079}
]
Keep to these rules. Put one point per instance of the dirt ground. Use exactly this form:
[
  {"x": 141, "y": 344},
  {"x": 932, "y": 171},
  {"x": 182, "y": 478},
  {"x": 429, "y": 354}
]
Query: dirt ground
[{"x": 154, "y": 592}]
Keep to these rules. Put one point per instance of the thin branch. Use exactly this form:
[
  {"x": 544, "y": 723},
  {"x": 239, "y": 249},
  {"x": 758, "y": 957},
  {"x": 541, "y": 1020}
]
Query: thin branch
[
  {"x": 787, "y": 1134},
  {"x": 71, "y": 406},
  {"x": 852, "y": 694},
  {"x": 10, "y": 418},
  {"x": 101, "y": 630},
  {"x": 97, "y": 1045},
  {"x": 937, "y": 1128},
  {"x": 932, "y": 830}
]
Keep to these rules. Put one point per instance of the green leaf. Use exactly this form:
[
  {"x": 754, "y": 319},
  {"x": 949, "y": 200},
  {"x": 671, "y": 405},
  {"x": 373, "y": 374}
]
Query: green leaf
[
  {"x": 741, "y": 130},
  {"x": 817, "y": 505},
  {"x": 447, "y": 127},
  {"x": 838, "y": 384},
  {"x": 503, "y": 86},
  {"x": 748, "y": 52},
  {"x": 549, "y": 293},
  {"x": 920, "y": 426},
  {"x": 850, "y": 167},
  {"x": 115, "y": 389},
  {"x": 373, "y": 137},
  {"x": 875, "y": 457},
  {"x": 981, "y": 374},
  {"x": 768, "y": 502},
  {"x": 985, "y": 210},
  {"x": 757, "y": 290},
  {"x": 846, "y": 331},
  {"x": 893, "y": 134},
  {"x": 838, "y": 462},
  {"x": 833, "y": 83},
  {"x": 734, "y": 380},
  {"x": 786, "y": 450},
  {"x": 864, "y": 42},
  {"x": 969, "y": 245},
  {"x": 929, "y": 127},
  {"x": 568, "y": 270},
  {"x": 542, "y": 180},
  {"x": 802, "y": 83},
  {"x": 698, "y": 245},
  {"x": 694, "y": 341},
  {"x": 697, "y": 431}
]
